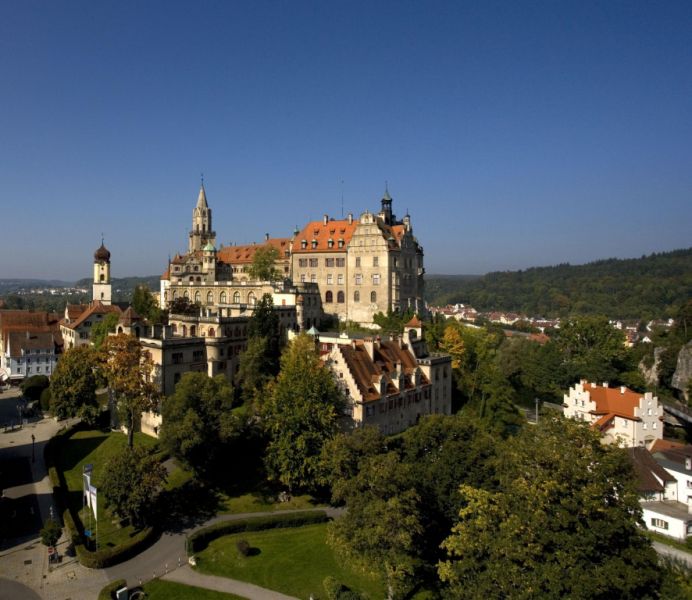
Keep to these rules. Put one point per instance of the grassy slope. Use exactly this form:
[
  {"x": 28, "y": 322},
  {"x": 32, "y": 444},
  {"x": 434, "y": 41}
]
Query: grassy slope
[
  {"x": 294, "y": 561},
  {"x": 169, "y": 590},
  {"x": 96, "y": 447}
]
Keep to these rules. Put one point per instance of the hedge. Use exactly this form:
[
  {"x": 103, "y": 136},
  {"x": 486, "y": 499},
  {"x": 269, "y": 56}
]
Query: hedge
[
  {"x": 200, "y": 539},
  {"x": 108, "y": 592},
  {"x": 105, "y": 557}
]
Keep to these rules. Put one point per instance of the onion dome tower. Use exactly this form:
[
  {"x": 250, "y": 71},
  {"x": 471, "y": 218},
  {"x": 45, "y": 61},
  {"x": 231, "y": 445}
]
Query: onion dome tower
[{"x": 101, "y": 289}]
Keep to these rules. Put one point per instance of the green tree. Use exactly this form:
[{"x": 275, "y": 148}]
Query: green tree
[
  {"x": 135, "y": 477},
  {"x": 198, "y": 423},
  {"x": 263, "y": 267},
  {"x": 145, "y": 304},
  {"x": 591, "y": 348},
  {"x": 563, "y": 523},
  {"x": 381, "y": 530},
  {"x": 254, "y": 369},
  {"x": 299, "y": 413},
  {"x": 99, "y": 332},
  {"x": 129, "y": 371},
  {"x": 73, "y": 384},
  {"x": 51, "y": 532},
  {"x": 265, "y": 323}
]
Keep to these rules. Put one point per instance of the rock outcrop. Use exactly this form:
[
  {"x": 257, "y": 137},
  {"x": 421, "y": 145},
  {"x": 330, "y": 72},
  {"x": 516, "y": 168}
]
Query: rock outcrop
[
  {"x": 683, "y": 370},
  {"x": 651, "y": 374}
]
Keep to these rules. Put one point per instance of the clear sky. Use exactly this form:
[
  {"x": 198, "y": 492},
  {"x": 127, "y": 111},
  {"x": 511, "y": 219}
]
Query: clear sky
[{"x": 516, "y": 134}]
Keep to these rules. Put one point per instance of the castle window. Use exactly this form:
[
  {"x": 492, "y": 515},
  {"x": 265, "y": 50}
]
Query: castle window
[
  {"x": 330, "y": 243},
  {"x": 222, "y": 298},
  {"x": 210, "y": 298},
  {"x": 184, "y": 330},
  {"x": 330, "y": 279},
  {"x": 212, "y": 333},
  {"x": 186, "y": 294},
  {"x": 373, "y": 297},
  {"x": 198, "y": 297},
  {"x": 192, "y": 278},
  {"x": 314, "y": 244},
  {"x": 329, "y": 297},
  {"x": 302, "y": 262},
  {"x": 101, "y": 278},
  {"x": 303, "y": 244},
  {"x": 359, "y": 279},
  {"x": 251, "y": 300},
  {"x": 340, "y": 297},
  {"x": 313, "y": 278},
  {"x": 340, "y": 279},
  {"x": 314, "y": 262},
  {"x": 376, "y": 279},
  {"x": 328, "y": 262},
  {"x": 357, "y": 261},
  {"x": 340, "y": 262},
  {"x": 341, "y": 243},
  {"x": 196, "y": 268},
  {"x": 375, "y": 261},
  {"x": 356, "y": 296},
  {"x": 302, "y": 278},
  {"x": 193, "y": 330},
  {"x": 236, "y": 298},
  {"x": 175, "y": 294}
]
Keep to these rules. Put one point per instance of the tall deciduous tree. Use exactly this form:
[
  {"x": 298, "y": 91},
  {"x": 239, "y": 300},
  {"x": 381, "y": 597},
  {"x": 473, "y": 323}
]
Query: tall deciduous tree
[
  {"x": 73, "y": 383},
  {"x": 135, "y": 477},
  {"x": 299, "y": 414},
  {"x": 263, "y": 265},
  {"x": 145, "y": 305},
  {"x": 198, "y": 424},
  {"x": 564, "y": 523},
  {"x": 381, "y": 529},
  {"x": 129, "y": 371},
  {"x": 100, "y": 330}
]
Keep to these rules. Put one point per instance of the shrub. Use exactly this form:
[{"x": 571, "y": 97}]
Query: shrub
[
  {"x": 107, "y": 557},
  {"x": 33, "y": 386},
  {"x": 338, "y": 591},
  {"x": 200, "y": 539},
  {"x": 243, "y": 547},
  {"x": 51, "y": 532},
  {"x": 108, "y": 592},
  {"x": 45, "y": 400}
]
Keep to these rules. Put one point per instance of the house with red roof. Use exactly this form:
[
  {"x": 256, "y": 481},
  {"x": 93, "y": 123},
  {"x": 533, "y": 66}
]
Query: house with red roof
[{"x": 624, "y": 417}]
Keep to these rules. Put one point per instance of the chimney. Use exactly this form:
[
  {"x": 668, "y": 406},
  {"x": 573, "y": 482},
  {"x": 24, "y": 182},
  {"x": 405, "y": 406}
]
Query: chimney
[
  {"x": 605, "y": 384},
  {"x": 325, "y": 219},
  {"x": 350, "y": 218},
  {"x": 622, "y": 389},
  {"x": 369, "y": 345}
]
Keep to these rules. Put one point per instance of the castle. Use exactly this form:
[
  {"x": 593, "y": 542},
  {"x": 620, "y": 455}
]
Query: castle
[{"x": 349, "y": 269}]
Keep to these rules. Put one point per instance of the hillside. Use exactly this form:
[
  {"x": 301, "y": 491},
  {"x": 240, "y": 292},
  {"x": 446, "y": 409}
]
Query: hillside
[
  {"x": 647, "y": 287},
  {"x": 124, "y": 286}
]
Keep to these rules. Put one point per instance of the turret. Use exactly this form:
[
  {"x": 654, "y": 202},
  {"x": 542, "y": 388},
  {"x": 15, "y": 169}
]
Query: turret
[
  {"x": 202, "y": 232},
  {"x": 101, "y": 289}
]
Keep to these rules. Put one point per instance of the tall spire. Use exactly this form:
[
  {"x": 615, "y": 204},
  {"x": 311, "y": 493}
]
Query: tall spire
[{"x": 202, "y": 198}]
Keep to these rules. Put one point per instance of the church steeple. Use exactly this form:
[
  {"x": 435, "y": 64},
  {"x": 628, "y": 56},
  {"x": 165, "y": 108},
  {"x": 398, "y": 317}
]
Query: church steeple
[
  {"x": 101, "y": 288},
  {"x": 202, "y": 232}
]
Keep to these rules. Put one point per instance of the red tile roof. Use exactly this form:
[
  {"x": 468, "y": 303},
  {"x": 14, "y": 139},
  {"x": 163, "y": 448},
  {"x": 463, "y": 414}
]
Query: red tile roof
[
  {"x": 414, "y": 322},
  {"x": 96, "y": 307},
  {"x": 322, "y": 232},
  {"x": 245, "y": 254},
  {"x": 618, "y": 401}
]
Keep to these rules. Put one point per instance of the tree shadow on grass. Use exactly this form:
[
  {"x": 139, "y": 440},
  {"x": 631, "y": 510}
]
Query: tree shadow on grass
[
  {"x": 186, "y": 506},
  {"x": 74, "y": 450}
]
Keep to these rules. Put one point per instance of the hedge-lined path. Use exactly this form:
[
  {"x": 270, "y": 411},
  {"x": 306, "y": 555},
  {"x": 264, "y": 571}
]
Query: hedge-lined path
[{"x": 189, "y": 576}]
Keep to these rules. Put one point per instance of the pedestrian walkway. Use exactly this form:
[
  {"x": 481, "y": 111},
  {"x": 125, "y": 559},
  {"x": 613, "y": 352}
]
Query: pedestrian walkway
[{"x": 189, "y": 576}]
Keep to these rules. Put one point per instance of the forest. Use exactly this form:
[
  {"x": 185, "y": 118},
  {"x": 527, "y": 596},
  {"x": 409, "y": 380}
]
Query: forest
[{"x": 641, "y": 288}]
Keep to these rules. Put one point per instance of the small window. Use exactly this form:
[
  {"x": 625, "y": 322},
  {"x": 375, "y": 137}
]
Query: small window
[
  {"x": 330, "y": 279},
  {"x": 303, "y": 244},
  {"x": 359, "y": 279},
  {"x": 375, "y": 261},
  {"x": 222, "y": 298},
  {"x": 236, "y": 298},
  {"x": 357, "y": 261},
  {"x": 356, "y": 296},
  {"x": 373, "y": 297},
  {"x": 659, "y": 523},
  {"x": 329, "y": 297},
  {"x": 340, "y": 279},
  {"x": 340, "y": 297},
  {"x": 376, "y": 279}
]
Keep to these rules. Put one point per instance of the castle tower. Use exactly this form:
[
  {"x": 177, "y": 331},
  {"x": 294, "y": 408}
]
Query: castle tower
[
  {"x": 101, "y": 290},
  {"x": 386, "y": 213},
  {"x": 201, "y": 233}
]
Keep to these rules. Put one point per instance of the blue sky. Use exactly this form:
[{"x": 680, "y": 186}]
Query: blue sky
[{"x": 515, "y": 133}]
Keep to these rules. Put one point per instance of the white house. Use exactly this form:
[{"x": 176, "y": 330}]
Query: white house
[{"x": 624, "y": 417}]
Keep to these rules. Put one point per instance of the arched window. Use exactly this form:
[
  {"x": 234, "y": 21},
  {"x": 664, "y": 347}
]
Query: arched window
[
  {"x": 192, "y": 278},
  {"x": 210, "y": 298},
  {"x": 373, "y": 296},
  {"x": 356, "y": 296},
  {"x": 193, "y": 331},
  {"x": 329, "y": 297},
  {"x": 251, "y": 300},
  {"x": 175, "y": 294},
  {"x": 212, "y": 333},
  {"x": 184, "y": 330},
  {"x": 236, "y": 298},
  {"x": 187, "y": 294},
  {"x": 199, "y": 279},
  {"x": 222, "y": 298},
  {"x": 120, "y": 329},
  {"x": 198, "y": 297},
  {"x": 174, "y": 328},
  {"x": 340, "y": 297}
]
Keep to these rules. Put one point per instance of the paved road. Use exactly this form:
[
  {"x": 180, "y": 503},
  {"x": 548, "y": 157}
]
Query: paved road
[{"x": 665, "y": 550}]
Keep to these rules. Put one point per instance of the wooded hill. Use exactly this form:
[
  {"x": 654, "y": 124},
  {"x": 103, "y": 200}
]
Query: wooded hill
[{"x": 639, "y": 288}]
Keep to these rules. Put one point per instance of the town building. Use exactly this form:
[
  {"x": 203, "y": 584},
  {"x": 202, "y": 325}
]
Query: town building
[
  {"x": 624, "y": 417},
  {"x": 388, "y": 383},
  {"x": 30, "y": 343}
]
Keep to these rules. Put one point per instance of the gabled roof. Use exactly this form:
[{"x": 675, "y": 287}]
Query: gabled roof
[
  {"x": 129, "y": 317},
  {"x": 244, "y": 254},
  {"x": 367, "y": 371},
  {"x": 651, "y": 477},
  {"x": 676, "y": 455},
  {"x": 72, "y": 311},
  {"x": 620, "y": 401},
  {"x": 96, "y": 307},
  {"x": 414, "y": 322},
  {"x": 23, "y": 340},
  {"x": 321, "y": 233}
]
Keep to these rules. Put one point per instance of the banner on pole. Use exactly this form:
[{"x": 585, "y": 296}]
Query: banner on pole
[{"x": 93, "y": 500}]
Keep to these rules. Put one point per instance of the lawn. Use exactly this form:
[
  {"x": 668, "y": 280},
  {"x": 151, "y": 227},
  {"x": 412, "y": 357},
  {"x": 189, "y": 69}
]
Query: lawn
[
  {"x": 158, "y": 589},
  {"x": 294, "y": 561},
  {"x": 259, "y": 502},
  {"x": 95, "y": 447}
]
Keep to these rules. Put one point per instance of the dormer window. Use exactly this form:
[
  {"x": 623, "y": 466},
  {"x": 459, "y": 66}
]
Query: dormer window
[
  {"x": 303, "y": 244},
  {"x": 341, "y": 243},
  {"x": 330, "y": 243},
  {"x": 314, "y": 244}
]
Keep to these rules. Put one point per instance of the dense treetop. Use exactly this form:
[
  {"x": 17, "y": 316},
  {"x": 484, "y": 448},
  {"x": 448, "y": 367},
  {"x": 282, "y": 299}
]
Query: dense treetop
[{"x": 647, "y": 287}]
